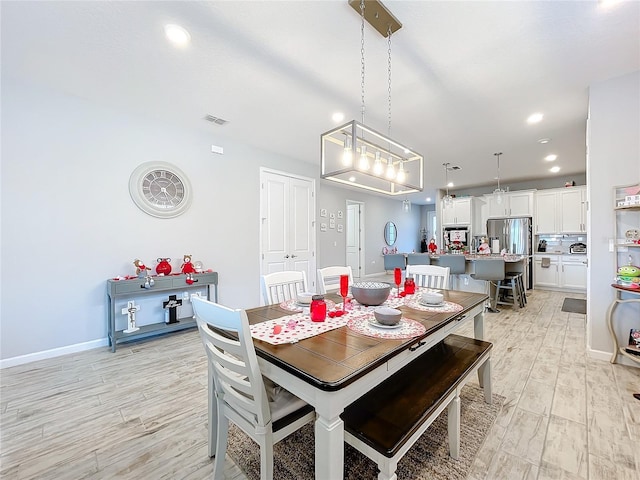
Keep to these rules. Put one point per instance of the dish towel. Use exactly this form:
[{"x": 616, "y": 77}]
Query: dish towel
[{"x": 546, "y": 262}]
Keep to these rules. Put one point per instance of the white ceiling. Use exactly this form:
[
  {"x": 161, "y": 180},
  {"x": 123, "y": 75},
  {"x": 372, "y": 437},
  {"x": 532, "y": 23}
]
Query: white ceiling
[{"x": 465, "y": 75}]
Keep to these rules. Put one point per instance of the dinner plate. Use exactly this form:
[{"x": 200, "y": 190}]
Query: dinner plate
[
  {"x": 374, "y": 323},
  {"x": 432, "y": 304}
]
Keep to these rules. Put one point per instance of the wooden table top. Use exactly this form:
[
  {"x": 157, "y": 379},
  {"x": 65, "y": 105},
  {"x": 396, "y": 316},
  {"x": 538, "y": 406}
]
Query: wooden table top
[{"x": 334, "y": 359}]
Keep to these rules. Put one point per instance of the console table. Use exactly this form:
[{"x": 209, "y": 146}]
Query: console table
[{"x": 171, "y": 284}]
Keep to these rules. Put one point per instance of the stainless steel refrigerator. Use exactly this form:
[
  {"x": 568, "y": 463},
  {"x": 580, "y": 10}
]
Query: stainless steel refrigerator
[{"x": 514, "y": 235}]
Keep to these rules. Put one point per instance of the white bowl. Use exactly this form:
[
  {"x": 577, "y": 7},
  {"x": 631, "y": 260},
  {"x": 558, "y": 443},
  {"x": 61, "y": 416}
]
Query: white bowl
[
  {"x": 304, "y": 298},
  {"x": 432, "y": 297},
  {"x": 387, "y": 315}
]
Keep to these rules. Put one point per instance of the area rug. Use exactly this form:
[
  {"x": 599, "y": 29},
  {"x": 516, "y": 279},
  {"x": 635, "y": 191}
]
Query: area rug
[
  {"x": 574, "y": 305},
  {"x": 427, "y": 459}
]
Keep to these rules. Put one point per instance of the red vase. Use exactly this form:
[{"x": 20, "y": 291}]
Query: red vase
[{"x": 163, "y": 267}]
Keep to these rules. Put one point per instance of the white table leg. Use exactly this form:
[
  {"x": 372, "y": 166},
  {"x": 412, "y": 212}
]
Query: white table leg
[
  {"x": 478, "y": 333},
  {"x": 329, "y": 448},
  {"x": 453, "y": 427}
]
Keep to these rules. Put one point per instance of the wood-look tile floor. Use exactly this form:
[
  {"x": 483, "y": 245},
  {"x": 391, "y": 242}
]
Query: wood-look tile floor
[{"x": 140, "y": 413}]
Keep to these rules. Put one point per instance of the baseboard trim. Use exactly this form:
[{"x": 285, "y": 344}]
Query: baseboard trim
[{"x": 54, "y": 352}]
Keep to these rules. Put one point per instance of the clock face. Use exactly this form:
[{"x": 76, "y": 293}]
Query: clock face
[{"x": 160, "y": 189}]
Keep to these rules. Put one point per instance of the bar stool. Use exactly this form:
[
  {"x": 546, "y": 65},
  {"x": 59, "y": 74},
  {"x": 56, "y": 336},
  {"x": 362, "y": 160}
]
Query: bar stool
[
  {"x": 509, "y": 290},
  {"x": 490, "y": 271},
  {"x": 457, "y": 264}
]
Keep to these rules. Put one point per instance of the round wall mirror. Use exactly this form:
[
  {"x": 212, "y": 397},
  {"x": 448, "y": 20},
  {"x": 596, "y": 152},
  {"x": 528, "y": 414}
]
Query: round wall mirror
[{"x": 390, "y": 233}]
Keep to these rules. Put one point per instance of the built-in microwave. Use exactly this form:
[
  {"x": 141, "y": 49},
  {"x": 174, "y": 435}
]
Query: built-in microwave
[{"x": 456, "y": 234}]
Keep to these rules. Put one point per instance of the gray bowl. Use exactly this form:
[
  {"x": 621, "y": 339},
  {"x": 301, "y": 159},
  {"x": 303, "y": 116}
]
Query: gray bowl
[
  {"x": 371, "y": 293},
  {"x": 387, "y": 316}
]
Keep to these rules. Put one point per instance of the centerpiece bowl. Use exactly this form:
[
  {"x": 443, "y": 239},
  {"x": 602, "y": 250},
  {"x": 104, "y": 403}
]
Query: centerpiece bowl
[{"x": 371, "y": 293}]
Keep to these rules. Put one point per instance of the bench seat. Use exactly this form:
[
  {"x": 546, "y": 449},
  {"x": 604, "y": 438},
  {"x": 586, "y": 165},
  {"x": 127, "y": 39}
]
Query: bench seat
[{"x": 384, "y": 423}]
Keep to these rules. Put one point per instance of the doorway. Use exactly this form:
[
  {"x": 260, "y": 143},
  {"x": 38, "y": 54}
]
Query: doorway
[
  {"x": 355, "y": 237},
  {"x": 287, "y": 224}
]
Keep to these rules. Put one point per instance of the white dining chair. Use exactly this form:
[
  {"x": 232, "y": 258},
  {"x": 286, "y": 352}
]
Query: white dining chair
[
  {"x": 430, "y": 276},
  {"x": 329, "y": 278},
  {"x": 280, "y": 286},
  {"x": 237, "y": 390}
]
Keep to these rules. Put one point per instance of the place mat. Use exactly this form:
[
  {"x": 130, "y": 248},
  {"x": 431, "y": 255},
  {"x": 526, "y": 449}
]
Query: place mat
[
  {"x": 294, "y": 328},
  {"x": 448, "y": 307},
  {"x": 361, "y": 323},
  {"x": 294, "y": 306}
]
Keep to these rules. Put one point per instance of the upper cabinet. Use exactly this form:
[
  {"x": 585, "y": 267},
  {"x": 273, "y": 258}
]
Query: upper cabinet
[
  {"x": 546, "y": 212},
  {"x": 514, "y": 204},
  {"x": 480, "y": 215},
  {"x": 458, "y": 213},
  {"x": 573, "y": 210},
  {"x": 561, "y": 211}
]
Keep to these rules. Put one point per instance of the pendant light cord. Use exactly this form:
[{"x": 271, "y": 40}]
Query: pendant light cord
[
  {"x": 498, "y": 156},
  {"x": 362, "y": 56}
]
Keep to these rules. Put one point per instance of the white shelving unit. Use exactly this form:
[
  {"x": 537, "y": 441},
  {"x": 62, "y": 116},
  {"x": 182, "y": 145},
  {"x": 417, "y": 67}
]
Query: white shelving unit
[{"x": 627, "y": 219}]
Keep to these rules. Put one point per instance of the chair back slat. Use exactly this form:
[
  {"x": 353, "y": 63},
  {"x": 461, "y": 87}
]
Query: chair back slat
[
  {"x": 329, "y": 278},
  {"x": 280, "y": 286},
  {"x": 430, "y": 276}
]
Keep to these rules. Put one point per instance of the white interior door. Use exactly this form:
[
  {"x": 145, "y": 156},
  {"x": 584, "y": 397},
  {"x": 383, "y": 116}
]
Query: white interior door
[
  {"x": 287, "y": 224},
  {"x": 354, "y": 238}
]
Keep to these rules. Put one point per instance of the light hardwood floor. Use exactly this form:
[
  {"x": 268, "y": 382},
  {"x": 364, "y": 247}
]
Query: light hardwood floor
[{"x": 140, "y": 413}]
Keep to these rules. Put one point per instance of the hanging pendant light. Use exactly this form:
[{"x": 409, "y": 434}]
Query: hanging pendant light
[
  {"x": 498, "y": 192},
  {"x": 447, "y": 199},
  {"x": 348, "y": 159},
  {"x": 406, "y": 206}
]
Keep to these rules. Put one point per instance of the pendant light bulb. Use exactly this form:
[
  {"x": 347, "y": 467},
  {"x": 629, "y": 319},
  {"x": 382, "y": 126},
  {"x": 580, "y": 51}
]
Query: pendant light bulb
[
  {"x": 347, "y": 154},
  {"x": 391, "y": 171},
  {"x": 402, "y": 175},
  {"x": 377, "y": 165},
  {"x": 364, "y": 160},
  {"x": 406, "y": 206}
]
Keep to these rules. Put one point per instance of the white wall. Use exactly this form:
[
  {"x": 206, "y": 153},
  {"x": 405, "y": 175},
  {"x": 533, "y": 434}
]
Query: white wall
[
  {"x": 613, "y": 159},
  {"x": 69, "y": 224},
  {"x": 378, "y": 211}
]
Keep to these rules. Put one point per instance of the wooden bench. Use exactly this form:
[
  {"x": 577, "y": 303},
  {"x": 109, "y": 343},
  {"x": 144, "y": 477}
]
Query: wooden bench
[{"x": 388, "y": 420}]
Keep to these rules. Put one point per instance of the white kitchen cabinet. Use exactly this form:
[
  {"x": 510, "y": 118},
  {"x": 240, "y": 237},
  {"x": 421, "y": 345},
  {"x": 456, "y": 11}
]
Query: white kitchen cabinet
[
  {"x": 561, "y": 211},
  {"x": 514, "y": 204},
  {"x": 546, "y": 276},
  {"x": 546, "y": 212},
  {"x": 573, "y": 272},
  {"x": 565, "y": 272},
  {"x": 573, "y": 210},
  {"x": 479, "y": 223},
  {"x": 458, "y": 213}
]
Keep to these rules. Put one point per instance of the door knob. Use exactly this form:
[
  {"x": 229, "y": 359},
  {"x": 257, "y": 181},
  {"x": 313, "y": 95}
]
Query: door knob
[
  {"x": 286, "y": 256},
  {"x": 293, "y": 256}
]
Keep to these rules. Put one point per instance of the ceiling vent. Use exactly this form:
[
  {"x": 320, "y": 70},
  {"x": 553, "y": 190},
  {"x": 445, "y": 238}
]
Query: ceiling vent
[
  {"x": 453, "y": 167},
  {"x": 216, "y": 120}
]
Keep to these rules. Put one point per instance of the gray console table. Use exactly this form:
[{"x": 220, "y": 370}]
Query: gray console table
[{"x": 170, "y": 284}]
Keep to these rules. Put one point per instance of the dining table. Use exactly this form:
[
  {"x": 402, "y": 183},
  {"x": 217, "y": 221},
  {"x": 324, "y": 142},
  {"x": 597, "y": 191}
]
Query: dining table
[{"x": 332, "y": 369}]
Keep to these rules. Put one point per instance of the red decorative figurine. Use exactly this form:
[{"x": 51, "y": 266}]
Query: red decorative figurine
[
  {"x": 433, "y": 248},
  {"x": 187, "y": 266},
  {"x": 163, "y": 267}
]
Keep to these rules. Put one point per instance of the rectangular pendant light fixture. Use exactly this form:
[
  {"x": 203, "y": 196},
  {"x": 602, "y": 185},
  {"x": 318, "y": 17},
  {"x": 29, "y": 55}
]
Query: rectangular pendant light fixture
[{"x": 356, "y": 155}]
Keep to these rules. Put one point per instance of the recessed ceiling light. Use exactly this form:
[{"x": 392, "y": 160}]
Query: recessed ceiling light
[
  {"x": 337, "y": 117},
  {"x": 177, "y": 35},
  {"x": 428, "y": 199},
  {"x": 551, "y": 158},
  {"x": 450, "y": 184},
  {"x": 535, "y": 118},
  {"x": 608, "y": 3},
  {"x": 544, "y": 140},
  {"x": 352, "y": 179},
  {"x": 555, "y": 169}
]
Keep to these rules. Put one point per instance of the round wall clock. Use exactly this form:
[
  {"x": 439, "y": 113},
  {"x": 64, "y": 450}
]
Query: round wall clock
[{"x": 160, "y": 189}]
